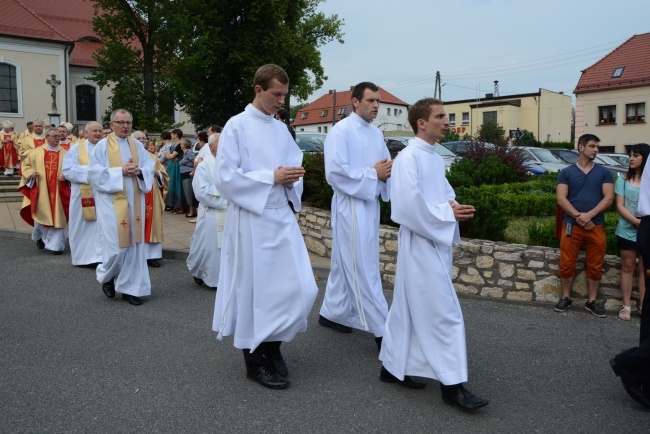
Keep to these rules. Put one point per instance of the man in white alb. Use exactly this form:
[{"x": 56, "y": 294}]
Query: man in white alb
[
  {"x": 358, "y": 167},
  {"x": 425, "y": 331},
  {"x": 85, "y": 234},
  {"x": 120, "y": 173},
  {"x": 266, "y": 283}
]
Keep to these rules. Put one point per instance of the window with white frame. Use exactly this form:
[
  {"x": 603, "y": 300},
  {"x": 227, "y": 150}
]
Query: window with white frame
[
  {"x": 323, "y": 113},
  {"x": 452, "y": 119},
  {"x": 8, "y": 88},
  {"x": 388, "y": 110},
  {"x": 304, "y": 116},
  {"x": 341, "y": 111},
  {"x": 465, "y": 118},
  {"x": 325, "y": 129}
]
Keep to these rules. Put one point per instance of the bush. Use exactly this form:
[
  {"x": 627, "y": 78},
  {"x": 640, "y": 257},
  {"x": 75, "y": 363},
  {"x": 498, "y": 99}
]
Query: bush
[
  {"x": 492, "y": 132},
  {"x": 450, "y": 136},
  {"x": 316, "y": 191},
  {"x": 485, "y": 165},
  {"x": 528, "y": 139},
  {"x": 490, "y": 220}
]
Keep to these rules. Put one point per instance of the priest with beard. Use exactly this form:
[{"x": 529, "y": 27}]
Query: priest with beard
[
  {"x": 120, "y": 173},
  {"x": 85, "y": 234}
]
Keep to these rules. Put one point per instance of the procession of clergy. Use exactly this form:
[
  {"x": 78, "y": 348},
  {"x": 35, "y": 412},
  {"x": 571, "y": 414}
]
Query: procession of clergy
[{"x": 247, "y": 242}]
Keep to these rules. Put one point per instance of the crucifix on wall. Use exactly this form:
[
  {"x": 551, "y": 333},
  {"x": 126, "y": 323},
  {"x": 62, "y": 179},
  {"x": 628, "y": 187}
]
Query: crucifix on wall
[{"x": 53, "y": 82}]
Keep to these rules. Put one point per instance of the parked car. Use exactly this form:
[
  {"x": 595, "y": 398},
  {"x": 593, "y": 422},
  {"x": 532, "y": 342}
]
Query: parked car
[
  {"x": 310, "y": 142},
  {"x": 395, "y": 144},
  {"x": 543, "y": 157},
  {"x": 624, "y": 159},
  {"x": 570, "y": 156},
  {"x": 462, "y": 146}
]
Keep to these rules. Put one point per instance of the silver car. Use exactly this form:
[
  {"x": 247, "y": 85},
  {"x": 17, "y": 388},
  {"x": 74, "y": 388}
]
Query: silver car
[{"x": 543, "y": 157}]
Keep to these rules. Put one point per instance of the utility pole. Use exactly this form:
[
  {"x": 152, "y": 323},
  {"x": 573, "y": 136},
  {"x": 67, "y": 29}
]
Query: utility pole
[{"x": 437, "y": 89}]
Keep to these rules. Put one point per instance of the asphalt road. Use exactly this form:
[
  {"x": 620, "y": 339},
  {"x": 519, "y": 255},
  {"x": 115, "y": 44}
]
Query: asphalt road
[{"x": 74, "y": 361}]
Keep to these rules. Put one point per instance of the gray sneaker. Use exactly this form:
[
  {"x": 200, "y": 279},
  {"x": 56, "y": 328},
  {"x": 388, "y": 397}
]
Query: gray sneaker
[
  {"x": 595, "y": 308},
  {"x": 563, "y": 304}
]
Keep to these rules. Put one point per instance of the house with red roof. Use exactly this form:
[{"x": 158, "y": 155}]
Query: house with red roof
[
  {"x": 612, "y": 96},
  {"x": 321, "y": 115},
  {"x": 39, "y": 39}
]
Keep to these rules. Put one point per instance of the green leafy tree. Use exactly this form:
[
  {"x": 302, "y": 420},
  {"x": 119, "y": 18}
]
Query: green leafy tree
[
  {"x": 527, "y": 139},
  {"x": 216, "y": 57},
  {"x": 492, "y": 132},
  {"x": 133, "y": 59},
  {"x": 450, "y": 136}
]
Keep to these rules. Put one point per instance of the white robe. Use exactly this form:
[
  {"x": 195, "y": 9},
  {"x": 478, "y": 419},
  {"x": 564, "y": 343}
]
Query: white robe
[
  {"x": 354, "y": 296},
  {"x": 425, "y": 332},
  {"x": 127, "y": 265},
  {"x": 204, "y": 260},
  {"x": 85, "y": 235},
  {"x": 154, "y": 250},
  {"x": 266, "y": 284}
]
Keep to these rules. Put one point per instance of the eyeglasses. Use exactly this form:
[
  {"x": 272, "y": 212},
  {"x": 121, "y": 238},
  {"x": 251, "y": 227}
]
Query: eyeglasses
[{"x": 120, "y": 123}]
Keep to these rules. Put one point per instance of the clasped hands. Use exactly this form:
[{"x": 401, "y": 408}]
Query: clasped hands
[
  {"x": 34, "y": 175},
  {"x": 584, "y": 221},
  {"x": 130, "y": 168}
]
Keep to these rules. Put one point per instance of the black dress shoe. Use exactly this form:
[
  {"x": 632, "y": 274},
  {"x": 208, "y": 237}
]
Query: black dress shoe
[
  {"x": 198, "y": 281},
  {"x": 462, "y": 398},
  {"x": 333, "y": 325},
  {"x": 276, "y": 359},
  {"x": 40, "y": 245},
  {"x": 632, "y": 386},
  {"x": 267, "y": 377},
  {"x": 153, "y": 263},
  {"x": 109, "y": 288},
  {"x": 409, "y": 382},
  {"x": 135, "y": 301},
  {"x": 58, "y": 252}
]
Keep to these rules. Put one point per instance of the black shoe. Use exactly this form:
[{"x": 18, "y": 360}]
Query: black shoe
[
  {"x": 378, "y": 342},
  {"x": 109, "y": 288},
  {"x": 198, "y": 281},
  {"x": 632, "y": 386},
  {"x": 563, "y": 304},
  {"x": 409, "y": 382},
  {"x": 462, "y": 398},
  {"x": 595, "y": 308},
  {"x": 153, "y": 263},
  {"x": 277, "y": 361},
  {"x": 135, "y": 301},
  {"x": 40, "y": 245},
  {"x": 333, "y": 325},
  {"x": 57, "y": 252},
  {"x": 267, "y": 377}
]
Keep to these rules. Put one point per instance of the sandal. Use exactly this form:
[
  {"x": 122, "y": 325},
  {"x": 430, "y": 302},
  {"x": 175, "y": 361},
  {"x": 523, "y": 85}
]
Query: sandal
[{"x": 624, "y": 314}]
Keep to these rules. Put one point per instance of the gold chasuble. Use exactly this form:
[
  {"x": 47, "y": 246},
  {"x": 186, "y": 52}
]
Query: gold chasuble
[
  {"x": 47, "y": 201},
  {"x": 155, "y": 205},
  {"x": 120, "y": 201},
  {"x": 88, "y": 212},
  {"x": 27, "y": 145},
  {"x": 8, "y": 153}
]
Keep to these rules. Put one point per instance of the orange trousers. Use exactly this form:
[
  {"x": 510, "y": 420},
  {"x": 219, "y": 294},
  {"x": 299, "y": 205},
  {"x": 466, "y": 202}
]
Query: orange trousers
[{"x": 595, "y": 246}]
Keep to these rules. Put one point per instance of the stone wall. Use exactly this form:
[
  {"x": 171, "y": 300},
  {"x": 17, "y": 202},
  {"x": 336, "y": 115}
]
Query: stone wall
[{"x": 484, "y": 268}]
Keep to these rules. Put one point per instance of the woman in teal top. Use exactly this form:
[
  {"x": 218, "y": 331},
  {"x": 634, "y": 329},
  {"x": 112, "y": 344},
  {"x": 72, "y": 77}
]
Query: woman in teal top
[{"x": 627, "y": 197}]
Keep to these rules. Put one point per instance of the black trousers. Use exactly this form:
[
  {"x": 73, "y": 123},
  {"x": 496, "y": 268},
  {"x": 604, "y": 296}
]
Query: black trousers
[
  {"x": 636, "y": 361},
  {"x": 259, "y": 357}
]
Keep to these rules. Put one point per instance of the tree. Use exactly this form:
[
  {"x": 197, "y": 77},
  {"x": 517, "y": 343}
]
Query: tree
[
  {"x": 450, "y": 136},
  {"x": 133, "y": 60},
  {"x": 527, "y": 139},
  {"x": 492, "y": 132},
  {"x": 217, "y": 56}
]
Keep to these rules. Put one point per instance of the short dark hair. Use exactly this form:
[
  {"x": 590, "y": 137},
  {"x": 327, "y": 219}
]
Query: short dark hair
[
  {"x": 165, "y": 135},
  {"x": 421, "y": 110},
  {"x": 359, "y": 89},
  {"x": 203, "y": 136},
  {"x": 586, "y": 138},
  {"x": 215, "y": 128},
  {"x": 29, "y": 123},
  {"x": 178, "y": 132},
  {"x": 283, "y": 114},
  {"x": 266, "y": 73}
]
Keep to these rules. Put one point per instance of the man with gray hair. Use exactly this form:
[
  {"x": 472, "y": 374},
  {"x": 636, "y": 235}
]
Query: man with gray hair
[
  {"x": 85, "y": 234},
  {"x": 120, "y": 173}
]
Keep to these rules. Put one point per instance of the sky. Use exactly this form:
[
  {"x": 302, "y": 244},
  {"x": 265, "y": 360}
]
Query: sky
[{"x": 525, "y": 44}]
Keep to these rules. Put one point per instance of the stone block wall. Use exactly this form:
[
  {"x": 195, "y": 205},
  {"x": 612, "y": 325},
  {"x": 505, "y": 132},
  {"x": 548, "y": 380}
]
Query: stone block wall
[{"x": 484, "y": 268}]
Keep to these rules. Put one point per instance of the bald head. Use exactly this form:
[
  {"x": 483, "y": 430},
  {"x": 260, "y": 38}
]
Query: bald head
[
  {"x": 93, "y": 124},
  {"x": 94, "y": 132}
]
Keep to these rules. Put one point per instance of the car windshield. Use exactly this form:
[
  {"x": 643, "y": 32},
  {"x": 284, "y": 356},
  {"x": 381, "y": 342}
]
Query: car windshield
[
  {"x": 609, "y": 160},
  {"x": 568, "y": 156},
  {"x": 545, "y": 156},
  {"x": 310, "y": 142}
]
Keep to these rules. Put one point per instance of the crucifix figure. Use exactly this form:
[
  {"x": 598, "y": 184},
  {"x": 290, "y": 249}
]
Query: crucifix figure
[{"x": 53, "y": 82}]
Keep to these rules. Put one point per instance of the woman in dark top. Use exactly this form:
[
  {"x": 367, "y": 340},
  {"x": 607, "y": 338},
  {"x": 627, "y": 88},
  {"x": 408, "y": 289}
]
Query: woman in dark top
[{"x": 174, "y": 197}]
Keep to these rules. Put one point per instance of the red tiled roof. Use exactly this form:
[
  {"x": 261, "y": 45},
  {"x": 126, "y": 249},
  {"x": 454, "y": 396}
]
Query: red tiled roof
[
  {"x": 633, "y": 55},
  {"x": 343, "y": 98},
  {"x": 66, "y": 21}
]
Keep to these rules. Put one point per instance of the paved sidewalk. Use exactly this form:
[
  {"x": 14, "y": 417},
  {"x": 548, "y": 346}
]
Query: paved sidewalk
[{"x": 177, "y": 231}]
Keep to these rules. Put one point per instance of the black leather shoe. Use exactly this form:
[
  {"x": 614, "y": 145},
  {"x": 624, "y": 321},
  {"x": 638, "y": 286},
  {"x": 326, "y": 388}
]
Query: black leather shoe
[
  {"x": 267, "y": 377},
  {"x": 277, "y": 361},
  {"x": 198, "y": 281},
  {"x": 153, "y": 263},
  {"x": 57, "y": 252},
  {"x": 135, "y": 301},
  {"x": 109, "y": 288},
  {"x": 333, "y": 325},
  {"x": 408, "y": 382},
  {"x": 462, "y": 398},
  {"x": 632, "y": 386},
  {"x": 40, "y": 245}
]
